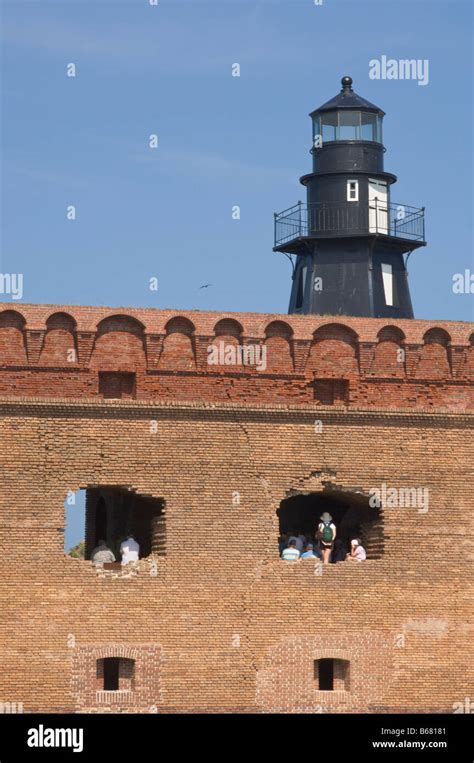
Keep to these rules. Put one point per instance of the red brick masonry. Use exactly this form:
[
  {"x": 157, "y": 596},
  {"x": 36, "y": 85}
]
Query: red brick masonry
[
  {"x": 58, "y": 351},
  {"x": 220, "y": 622}
]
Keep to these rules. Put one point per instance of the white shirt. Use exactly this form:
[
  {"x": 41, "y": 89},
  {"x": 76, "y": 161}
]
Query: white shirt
[
  {"x": 129, "y": 550},
  {"x": 360, "y": 553},
  {"x": 290, "y": 554}
]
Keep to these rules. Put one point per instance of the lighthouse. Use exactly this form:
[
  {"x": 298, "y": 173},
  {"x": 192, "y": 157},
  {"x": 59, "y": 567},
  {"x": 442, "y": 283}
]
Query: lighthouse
[{"x": 350, "y": 240}]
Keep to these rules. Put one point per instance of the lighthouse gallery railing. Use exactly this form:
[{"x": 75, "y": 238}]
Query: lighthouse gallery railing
[{"x": 350, "y": 218}]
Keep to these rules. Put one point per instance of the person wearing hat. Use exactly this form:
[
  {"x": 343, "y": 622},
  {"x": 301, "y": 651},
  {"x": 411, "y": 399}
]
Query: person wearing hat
[
  {"x": 357, "y": 553},
  {"x": 326, "y": 535}
]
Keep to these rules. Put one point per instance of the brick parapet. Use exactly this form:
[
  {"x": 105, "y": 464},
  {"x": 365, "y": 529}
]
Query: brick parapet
[{"x": 77, "y": 352}]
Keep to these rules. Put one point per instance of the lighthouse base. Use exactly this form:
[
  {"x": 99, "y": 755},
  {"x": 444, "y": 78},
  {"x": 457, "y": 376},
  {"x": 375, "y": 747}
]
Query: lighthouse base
[{"x": 363, "y": 277}]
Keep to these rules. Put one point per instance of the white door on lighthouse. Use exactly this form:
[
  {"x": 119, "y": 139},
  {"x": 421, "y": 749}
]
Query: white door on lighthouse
[{"x": 378, "y": 206}]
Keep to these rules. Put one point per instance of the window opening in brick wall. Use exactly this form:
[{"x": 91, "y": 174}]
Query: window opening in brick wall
[
  {"x": 115, "y": 674},
  {"x": 331, "y": 674},
  {"x": 117, "y": 385},
  {"x": 114, "y": 514},
  {"x": 300, "y": 515},
  {"x": 98, "y": 519}
]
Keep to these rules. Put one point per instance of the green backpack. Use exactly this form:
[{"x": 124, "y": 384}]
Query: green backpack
[{"x": 327, "y": 533}]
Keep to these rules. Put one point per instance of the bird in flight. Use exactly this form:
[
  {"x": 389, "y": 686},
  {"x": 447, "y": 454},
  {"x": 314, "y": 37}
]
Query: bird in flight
[{"x": 204, "y": 286}]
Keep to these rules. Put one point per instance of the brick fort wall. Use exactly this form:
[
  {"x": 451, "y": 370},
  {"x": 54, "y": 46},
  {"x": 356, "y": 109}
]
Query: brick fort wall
[{"x": 218, "y": 621}]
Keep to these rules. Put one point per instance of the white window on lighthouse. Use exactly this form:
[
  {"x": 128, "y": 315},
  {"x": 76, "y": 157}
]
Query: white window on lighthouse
[
  {"x": 387, "y": 278},
  {"x": 378, "y": 206},
  {"x": 352, "y": 190}
]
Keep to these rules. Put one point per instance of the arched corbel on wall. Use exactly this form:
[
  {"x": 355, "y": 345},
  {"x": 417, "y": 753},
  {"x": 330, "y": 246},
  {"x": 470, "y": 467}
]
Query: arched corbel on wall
[
  {"x": 223, "y": 349},
  {"x": 179, "y": 351},
  {"x": 468, "y": 369},
  {"x": 279, "y": 341},
  {"x": 389, "y": 353},
  {"x": 119, "y": 345},
  {"x": 434, "y": 358},
  {"x": 12, "y": 339},
  {"x": 59, "y": 344},
  {"x": 334, "y": 351}
]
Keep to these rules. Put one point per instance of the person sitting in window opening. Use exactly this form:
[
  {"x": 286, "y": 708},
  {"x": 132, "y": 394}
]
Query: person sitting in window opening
[
  {"x": 326, "y": 535},
  {"x": 129, "y": 548},
  {"x": 102, "y": 554},
  {"x": 339, "y": 551},
  {"x": 299, "y": 541},
  {"x": 291, "y": 554},
  {"x": 357, "y": 552},
  {"x": 311, "y": 552}
]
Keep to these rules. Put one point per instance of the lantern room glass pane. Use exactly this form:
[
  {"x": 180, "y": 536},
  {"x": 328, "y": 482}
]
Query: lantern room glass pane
[
  {"x": 368, "y": 128},
  {"x": 316, "y": 127},
  {"x": 349, "y": 125},
  {"x": 329, "y": 126}
]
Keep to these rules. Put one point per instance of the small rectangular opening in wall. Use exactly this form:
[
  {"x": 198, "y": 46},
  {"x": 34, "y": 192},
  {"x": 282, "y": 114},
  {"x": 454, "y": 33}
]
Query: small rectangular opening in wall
[
  {"x": 324, "y": 670},
  {"x": 114, "y": 385},
  {"x": 111, "y": 674},
  {"x": 331, "y": 391},
  {"x": 115, "y": 674},
  {"x": 332, "y": 674}
]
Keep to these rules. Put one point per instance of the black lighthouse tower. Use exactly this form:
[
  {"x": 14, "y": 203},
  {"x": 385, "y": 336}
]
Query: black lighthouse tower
[{"x": 349, "y": 239}]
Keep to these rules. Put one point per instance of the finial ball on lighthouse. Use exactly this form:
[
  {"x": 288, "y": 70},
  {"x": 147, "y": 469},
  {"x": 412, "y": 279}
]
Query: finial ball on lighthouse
[{"x": 346, "y": 83}]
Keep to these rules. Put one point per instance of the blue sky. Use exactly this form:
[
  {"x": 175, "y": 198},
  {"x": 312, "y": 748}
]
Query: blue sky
[{"x": 223, "y": 141}]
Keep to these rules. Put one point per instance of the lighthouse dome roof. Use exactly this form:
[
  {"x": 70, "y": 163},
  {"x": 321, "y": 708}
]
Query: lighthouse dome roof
[{"x": 348, "y": 99}]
